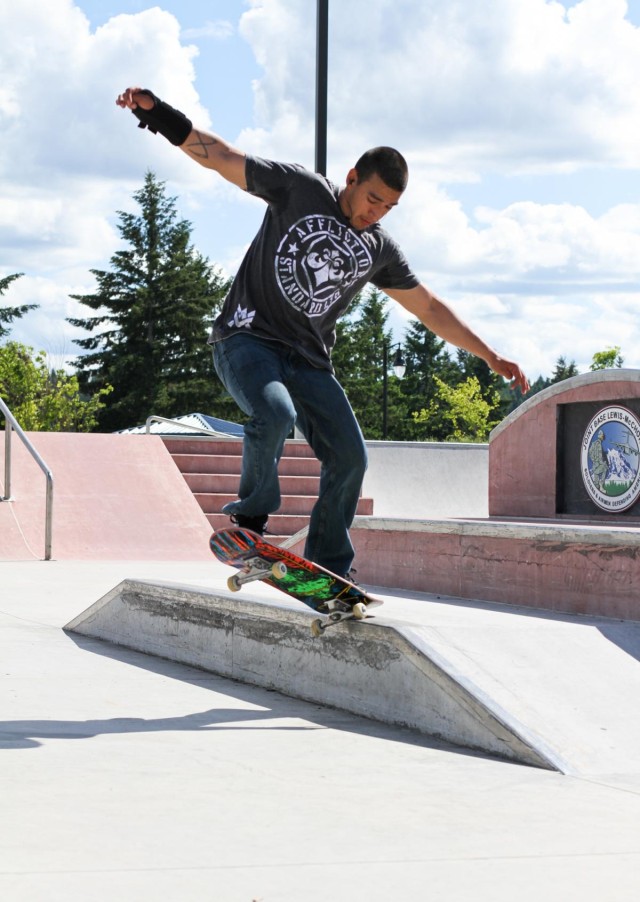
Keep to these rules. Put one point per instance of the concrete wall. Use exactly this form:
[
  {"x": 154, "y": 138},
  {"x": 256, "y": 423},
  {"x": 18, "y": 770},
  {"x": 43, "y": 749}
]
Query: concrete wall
[
  {"x": 115, "y": 497},
  {"x": 426, "y": 480},
  {"x": 523, "y": 447}
]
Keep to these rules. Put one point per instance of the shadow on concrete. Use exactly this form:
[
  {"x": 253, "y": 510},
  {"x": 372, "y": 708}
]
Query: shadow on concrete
[
  {"x": 625, "y": 634},
  {"x": 270, "y": 706}
]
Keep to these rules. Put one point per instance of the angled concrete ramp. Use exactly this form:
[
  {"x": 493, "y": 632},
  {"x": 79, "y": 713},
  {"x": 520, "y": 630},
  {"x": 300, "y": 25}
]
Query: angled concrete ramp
[
  {"x": 116, "y": 497},
  {"x": 382, "y": 670}
]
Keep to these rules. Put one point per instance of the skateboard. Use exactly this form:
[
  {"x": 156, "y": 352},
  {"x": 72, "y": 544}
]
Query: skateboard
[{"x": 319, "y": 589}]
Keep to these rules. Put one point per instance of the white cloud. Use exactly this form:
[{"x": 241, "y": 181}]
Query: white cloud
[
  {"x": 525, "y": 85},
  {"x": 218, "y": 30},
  {"x": 70, "y": 157},
  {"x": 60, "y": 81},
  {"x": 464, "y": 89}
]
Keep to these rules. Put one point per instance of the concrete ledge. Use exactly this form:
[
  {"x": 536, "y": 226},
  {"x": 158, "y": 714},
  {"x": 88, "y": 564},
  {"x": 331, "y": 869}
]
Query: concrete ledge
[
  {"x": 381, "y": 670},
  {"x": 549, "y": 565}
]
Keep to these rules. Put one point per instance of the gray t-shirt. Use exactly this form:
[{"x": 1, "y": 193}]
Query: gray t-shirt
[{"x": 306, "y": 263}]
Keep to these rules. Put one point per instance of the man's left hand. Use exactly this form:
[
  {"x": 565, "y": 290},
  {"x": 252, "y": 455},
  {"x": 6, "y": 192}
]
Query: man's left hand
[{"x": 512, "y": 372}]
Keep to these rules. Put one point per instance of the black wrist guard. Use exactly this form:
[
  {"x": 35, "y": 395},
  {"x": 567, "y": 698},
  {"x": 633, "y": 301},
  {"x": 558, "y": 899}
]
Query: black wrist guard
[{"x": 172, "y": 124}]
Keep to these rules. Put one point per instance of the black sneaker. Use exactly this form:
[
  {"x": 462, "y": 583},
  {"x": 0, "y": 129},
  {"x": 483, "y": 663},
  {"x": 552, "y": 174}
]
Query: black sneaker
[{"x": 255, "y": 524}]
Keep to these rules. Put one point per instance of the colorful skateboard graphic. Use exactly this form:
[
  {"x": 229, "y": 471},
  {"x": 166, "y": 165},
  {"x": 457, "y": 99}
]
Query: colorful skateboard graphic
[{"x": 323, "y": 591}]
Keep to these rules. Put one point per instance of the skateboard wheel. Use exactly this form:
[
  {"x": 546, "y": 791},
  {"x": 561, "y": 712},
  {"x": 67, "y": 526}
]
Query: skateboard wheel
[
  {"x": 279, "y": 570},
  {"x": 233, "y": 583},
  {"x": 359, "y": 611},
  {"x": 316, "y": 628}
]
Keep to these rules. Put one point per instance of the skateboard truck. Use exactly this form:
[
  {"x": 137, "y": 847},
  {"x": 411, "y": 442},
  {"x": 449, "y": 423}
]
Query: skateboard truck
[
  {"x": 256, "y": 569},
  {"x": 336, "y": 611}
]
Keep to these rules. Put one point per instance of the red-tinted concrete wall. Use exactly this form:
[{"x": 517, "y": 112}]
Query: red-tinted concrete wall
[
  {"x": 522, "y": 449},
  {"x": 116, "y": 497}
]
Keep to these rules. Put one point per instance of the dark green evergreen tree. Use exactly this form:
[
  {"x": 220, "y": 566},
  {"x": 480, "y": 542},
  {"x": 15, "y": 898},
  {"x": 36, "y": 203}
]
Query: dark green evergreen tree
[
  {"x": 513, "y": 398},
  {"x": 425, "y": 357},
  {"x": 9, "y": 314},
  {"x": 563, "y": 371},
  {"x": 153, "y": 311},
  {"x": 358, "y": 360},
  {"x": 470, "y": 365}
]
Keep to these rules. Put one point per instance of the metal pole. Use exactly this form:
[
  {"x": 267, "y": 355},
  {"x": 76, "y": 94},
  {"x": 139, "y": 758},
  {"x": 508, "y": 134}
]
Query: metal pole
[
  {"x": 12, "y": 425},
  {"x": 7, "y": 459},
  {"x": 385, "y": 387},
  {"x": 48, "y": 528},
  {"x": 322, "y": 60}
]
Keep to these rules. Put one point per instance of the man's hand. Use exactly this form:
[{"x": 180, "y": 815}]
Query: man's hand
[
  {"x": 133, "y": 98},
  {"x": 208, "y": 150},
  {"x": 511, "y": 371},
  {"x": 156, "y": 115}
]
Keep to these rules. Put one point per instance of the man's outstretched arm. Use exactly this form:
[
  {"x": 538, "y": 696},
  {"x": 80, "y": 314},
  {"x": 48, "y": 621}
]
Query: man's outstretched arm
[
  {"x": 441, "y": 319},
  {"x": 210, "y": 151}
]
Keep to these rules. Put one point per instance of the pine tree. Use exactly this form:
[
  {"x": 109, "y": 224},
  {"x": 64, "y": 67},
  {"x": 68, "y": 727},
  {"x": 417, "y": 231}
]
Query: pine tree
[
  {"x": 426, "y": 357},
  {"x": 358, "y": 360},
  {"x": 563, "y": 371},
  {"x": 8, "y": 314},
  {"x": 153, "y": 311}
]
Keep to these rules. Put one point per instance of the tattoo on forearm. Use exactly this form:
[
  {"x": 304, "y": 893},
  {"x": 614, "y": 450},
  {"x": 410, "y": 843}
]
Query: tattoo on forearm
[{"x": 200, "y": 145}]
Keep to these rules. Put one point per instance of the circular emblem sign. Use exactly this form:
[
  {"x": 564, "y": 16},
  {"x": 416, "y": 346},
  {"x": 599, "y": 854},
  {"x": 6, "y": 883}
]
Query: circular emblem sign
[{"x": 610, "y": 459}]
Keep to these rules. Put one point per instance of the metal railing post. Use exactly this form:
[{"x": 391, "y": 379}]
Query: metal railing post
[
  {"x": 7, "y": 460},
  {"x": 12, "y": 425}
]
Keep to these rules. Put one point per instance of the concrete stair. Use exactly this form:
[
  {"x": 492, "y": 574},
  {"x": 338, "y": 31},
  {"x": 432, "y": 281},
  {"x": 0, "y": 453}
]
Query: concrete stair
[{"x": 211, "y": 469}]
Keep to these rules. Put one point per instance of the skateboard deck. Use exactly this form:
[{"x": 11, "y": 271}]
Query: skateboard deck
[{"x": 318, "y": 588}]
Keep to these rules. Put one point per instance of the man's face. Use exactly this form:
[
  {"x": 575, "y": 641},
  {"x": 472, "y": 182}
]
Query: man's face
[{"x": 365, "y": 203}]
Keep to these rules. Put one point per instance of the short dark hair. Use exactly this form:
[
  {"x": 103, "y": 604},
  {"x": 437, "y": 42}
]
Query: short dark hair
[{"x": 386, "y": 162}]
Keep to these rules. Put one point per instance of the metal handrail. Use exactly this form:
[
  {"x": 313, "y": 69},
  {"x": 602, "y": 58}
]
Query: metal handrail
[{"x": 11, "y": 424}]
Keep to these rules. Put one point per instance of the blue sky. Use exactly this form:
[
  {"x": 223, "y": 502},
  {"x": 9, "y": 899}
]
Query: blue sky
[{"x": 520, "y": 120}]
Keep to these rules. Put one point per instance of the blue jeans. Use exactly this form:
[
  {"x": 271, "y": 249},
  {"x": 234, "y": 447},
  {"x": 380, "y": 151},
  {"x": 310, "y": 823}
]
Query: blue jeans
[{"x": 277, "y": 388}]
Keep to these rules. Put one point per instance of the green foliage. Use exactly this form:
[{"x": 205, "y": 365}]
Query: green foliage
[
  {"x": 42, "y": 400},
  {"x": 426, "y": 359},
  {"x": 358, "y": 362},
  {"x": 608, "y": 359},
  {"x": 153, "y": 312},
  {"x": 8, "y": 314},
  {"x": 464, "y": 408},
  {"x": 563, "y": 371}
]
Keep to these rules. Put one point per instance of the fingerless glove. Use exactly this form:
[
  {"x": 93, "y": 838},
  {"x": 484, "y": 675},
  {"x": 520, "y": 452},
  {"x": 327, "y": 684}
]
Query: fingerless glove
[{"x": 171, "y": 123}]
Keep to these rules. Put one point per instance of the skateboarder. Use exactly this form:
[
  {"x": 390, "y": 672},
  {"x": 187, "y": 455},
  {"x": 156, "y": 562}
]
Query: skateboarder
[{"x": 318, "y": 245}]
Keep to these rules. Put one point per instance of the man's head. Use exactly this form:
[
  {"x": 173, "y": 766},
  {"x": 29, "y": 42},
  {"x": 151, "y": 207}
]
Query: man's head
[
  {"x": 386, "y": 162},
  {"x": 374, "y": 186}
]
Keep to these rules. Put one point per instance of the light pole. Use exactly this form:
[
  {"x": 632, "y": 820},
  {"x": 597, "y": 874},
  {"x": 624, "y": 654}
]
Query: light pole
[
  {"x": 322, "y": 60},
  {"x": 399, "y": 369}
]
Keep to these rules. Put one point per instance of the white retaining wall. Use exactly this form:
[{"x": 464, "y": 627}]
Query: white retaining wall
[{"x": 427, "y": 480}]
